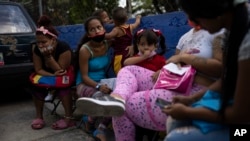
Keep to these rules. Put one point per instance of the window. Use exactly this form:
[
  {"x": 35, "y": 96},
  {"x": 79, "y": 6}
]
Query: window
[{"x": 13, "y": 20}]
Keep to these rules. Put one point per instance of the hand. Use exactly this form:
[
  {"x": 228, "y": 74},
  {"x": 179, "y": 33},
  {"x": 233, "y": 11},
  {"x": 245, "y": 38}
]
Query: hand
[
  {"x": 155, "y": 76},
  {"x": 47, "y": 51},
  {"x": 105, "y": 89},
  {"x": 186, "y": 100},
  {"x": 138, "y": 16},
  {"x": 174, "y": 59},
  {"x": 177, "y": 111},
  {"x": 146, "y": 54},
  {"x": 130, "y": 51},
  {"x": 60, "y": 72}
]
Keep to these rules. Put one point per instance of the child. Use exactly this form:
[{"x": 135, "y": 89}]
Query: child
[
  {"x": 122, "y": 35},
  {"x": 103, "y": 16},
  {"x": 145, "y": 49}
]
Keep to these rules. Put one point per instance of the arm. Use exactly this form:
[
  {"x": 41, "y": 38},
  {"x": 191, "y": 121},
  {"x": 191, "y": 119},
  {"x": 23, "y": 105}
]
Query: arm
[
  {"x": 209, "y": 66},
  {"x": 114, "y": 33},
  {"x": 239, "y": 111},
  {"x": 136, "y": 24},
  {"x": 84, "y": 56},
  {"x": 134, "y": 60},
  {"x": 63, "y": 61}
]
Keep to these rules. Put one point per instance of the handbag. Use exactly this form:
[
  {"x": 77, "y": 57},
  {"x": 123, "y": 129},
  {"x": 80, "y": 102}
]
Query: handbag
[
  {"x": 177, "y": 79},
  {"x": 62, "y": 81}
]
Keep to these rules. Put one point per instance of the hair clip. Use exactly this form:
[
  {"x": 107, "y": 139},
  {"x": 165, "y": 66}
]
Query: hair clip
[
  {"x": 157, "y": 32},
  {"x": 45, "y": 31},
  {"x": 139, "y": 31}
]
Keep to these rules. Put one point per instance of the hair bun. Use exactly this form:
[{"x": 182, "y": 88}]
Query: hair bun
[{"x": 44, "y": 21}]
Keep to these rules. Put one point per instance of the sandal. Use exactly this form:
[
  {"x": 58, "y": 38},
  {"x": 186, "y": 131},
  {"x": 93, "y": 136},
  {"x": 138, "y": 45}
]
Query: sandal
[
  {"x": 99, "y": 134},
  {"x": 62, "y": 124},
  {"x": 37, "y": 124}
]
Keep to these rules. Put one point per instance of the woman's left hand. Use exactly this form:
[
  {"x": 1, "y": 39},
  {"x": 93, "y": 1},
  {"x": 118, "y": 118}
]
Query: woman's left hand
[
  {"x": 60, "y": 72},
  {"x": 177, "y": 111},
  {"x": 130, "y": 51}
]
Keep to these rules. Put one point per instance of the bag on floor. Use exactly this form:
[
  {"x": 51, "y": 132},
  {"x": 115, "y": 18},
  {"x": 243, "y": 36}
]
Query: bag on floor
[
  {"x": 176, "y": 78},
  {"x": 63, "y": 81}
]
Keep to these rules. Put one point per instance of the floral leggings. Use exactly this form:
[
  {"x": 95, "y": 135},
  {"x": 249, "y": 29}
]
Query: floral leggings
[{"x": 135, "y": 84}]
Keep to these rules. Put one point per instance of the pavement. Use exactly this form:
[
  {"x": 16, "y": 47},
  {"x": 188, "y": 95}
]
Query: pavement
[{"x": 16, "y": 115}]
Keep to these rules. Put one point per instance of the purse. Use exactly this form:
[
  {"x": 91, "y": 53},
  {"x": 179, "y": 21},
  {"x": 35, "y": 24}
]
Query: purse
[
  {"x": 62, "y": 81},
  {"x": 177, "y": 79}
]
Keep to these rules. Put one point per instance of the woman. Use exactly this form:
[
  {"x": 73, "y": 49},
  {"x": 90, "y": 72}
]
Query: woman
[
  {"x": 51, "y": 57},
  {"x": 232, "y": 90},
  {"x": 92, "y": 62}
]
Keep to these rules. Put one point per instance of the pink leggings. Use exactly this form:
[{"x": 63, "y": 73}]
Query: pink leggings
[{"x": 135, "y": 85}]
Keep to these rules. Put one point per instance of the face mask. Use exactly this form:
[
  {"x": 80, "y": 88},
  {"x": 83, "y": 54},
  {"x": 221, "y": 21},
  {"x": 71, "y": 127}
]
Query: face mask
[
  {"x": 98, "y": 38},
  {"x": 42, "y": 49},
  {"x": 153, "y": 53}
]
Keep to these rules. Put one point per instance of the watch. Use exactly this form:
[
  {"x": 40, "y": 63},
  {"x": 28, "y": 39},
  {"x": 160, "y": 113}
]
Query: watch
[{"x": 98, "y": 86}]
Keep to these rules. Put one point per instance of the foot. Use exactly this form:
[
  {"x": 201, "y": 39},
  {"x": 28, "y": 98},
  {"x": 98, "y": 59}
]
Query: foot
[
  {"x": 37, "y": 124},
  {"x": 62, "y": 124},
  {"x": 101, "y": 106},
  {"x": 100, "y": 134},
  {"x": 89, "y": 125}
]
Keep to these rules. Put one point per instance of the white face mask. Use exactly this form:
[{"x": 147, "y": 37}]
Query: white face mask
[{"x": 42, "y": 49}]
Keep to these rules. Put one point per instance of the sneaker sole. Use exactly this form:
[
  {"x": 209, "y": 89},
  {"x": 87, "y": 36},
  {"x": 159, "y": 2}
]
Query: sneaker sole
[{"x": 94, "y": 107}]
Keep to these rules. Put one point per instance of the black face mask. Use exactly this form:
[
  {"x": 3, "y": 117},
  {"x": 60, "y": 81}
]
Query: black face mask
[{"x": 98, "y": 38}]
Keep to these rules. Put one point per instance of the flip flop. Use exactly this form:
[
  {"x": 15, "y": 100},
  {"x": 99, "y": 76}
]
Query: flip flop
[
  {"x": 37, "y": 124},
  {"x": 62, "y": 124}
]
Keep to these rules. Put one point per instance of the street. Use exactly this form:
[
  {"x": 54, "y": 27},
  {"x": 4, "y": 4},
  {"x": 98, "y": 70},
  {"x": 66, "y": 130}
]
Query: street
[{"x": 17, "y": 112}]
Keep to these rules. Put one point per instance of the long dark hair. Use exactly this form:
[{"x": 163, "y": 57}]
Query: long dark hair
[
  {"x": 212, "y": 9},
  {"x": 152, "y": 36},
  {"x": 84, "y": 39}
]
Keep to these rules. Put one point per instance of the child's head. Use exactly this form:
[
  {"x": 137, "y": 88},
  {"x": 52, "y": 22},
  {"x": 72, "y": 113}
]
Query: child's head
[
  {"x": 103, "y": 15},
  {"x": 147, "y": 39},
  {"x": 119, "y": 15}
]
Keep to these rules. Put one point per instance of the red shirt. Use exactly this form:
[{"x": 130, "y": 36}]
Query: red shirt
[{"x": 154, "y": 63}]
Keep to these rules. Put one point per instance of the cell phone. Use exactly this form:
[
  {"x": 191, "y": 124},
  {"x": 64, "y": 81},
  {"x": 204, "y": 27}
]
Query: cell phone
[{"x": 162, "y": 103}]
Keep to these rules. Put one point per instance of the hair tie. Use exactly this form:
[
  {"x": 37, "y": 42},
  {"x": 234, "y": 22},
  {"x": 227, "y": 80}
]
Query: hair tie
[
  {"x": 157, "y": 32},
  {"x": 45, "y": 31},
  {"x": 139, "y": 31}
]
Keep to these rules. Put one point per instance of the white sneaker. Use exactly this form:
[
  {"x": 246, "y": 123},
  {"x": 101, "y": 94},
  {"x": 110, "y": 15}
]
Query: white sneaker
[
  {"x": 49, "y": 97},
  {"x": 101, "y": 106}
]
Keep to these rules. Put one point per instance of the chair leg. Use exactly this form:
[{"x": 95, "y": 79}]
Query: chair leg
[{"x": 55, "y": 106}]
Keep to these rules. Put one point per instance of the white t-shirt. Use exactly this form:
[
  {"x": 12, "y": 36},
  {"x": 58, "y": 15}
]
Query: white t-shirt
[{"x": 198, "y": 43}]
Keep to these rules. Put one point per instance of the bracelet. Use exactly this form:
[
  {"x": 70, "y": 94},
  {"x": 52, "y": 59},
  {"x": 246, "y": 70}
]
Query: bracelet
[
  {"x": 98, "y": 86},
  {"x": 69, "y": 117}
]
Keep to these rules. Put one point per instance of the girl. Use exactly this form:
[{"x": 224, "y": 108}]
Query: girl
[{"x": 51, "y": 57}]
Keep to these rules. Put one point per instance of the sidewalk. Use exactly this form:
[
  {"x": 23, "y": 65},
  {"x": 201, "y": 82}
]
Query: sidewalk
[{"x": 16, "y": 117}]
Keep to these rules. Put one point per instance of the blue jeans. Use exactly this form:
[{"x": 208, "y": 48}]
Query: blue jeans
[{"x": 185, "y": 131}]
